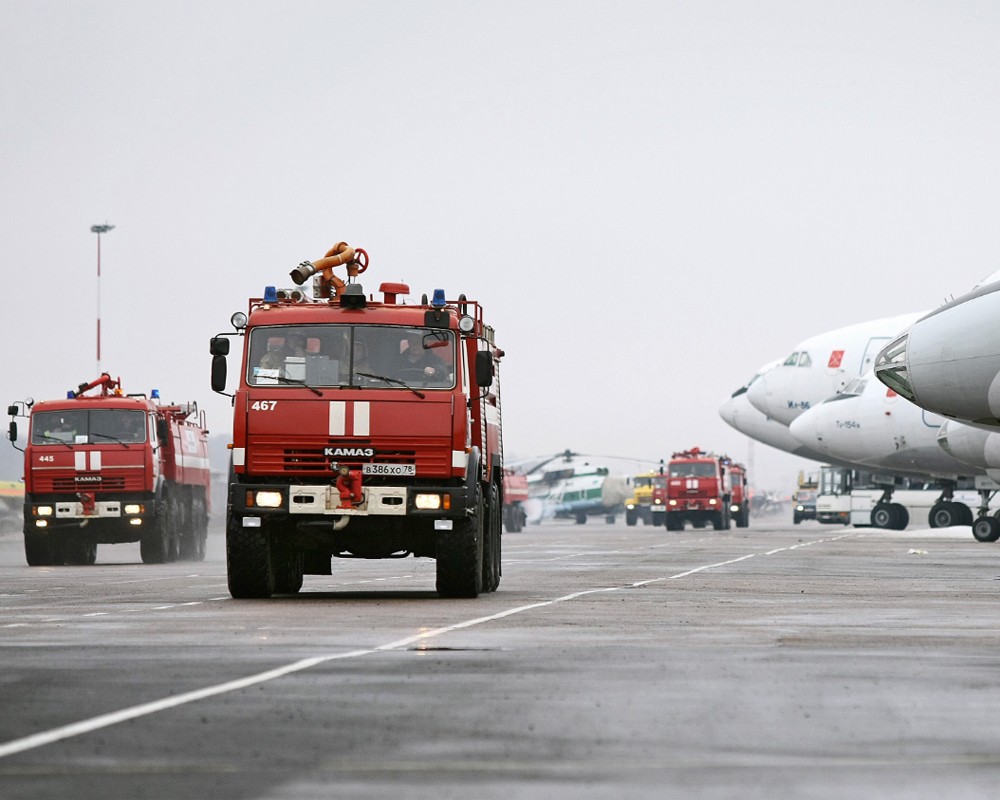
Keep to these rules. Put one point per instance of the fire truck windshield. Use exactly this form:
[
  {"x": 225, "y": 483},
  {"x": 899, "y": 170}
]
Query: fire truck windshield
[
  {"x": 351, "y": 355},
  {"x": 88, "y": 426},
  {"x": 692, "y": 469}
]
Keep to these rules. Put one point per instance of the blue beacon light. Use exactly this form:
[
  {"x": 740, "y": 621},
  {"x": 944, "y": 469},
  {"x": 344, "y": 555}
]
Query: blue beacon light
[
  {"x": 155, "y": 394},
  {"x": 270, "y": 294},
  {"x": 439, "y": 301}
]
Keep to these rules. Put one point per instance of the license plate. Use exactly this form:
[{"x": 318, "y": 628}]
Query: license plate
[{"x": 389, "y": 469}]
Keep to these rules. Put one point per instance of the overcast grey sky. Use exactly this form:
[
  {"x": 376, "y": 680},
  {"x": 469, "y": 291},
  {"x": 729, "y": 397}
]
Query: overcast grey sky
[{"x": 651, "y": 199}]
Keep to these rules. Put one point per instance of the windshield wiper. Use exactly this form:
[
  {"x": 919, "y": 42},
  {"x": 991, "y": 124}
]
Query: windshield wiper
[
  {"x": 297, "y": 382},
  {"x": 397, "y": 381},
  {"x": 55, "y": 439},
  {"x": 112, "y": 438}
]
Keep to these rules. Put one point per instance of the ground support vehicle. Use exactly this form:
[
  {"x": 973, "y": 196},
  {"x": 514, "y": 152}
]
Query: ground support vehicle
[
  {"x": 865, "y": 499},
  {"x": 703, "y": 488},
  {"x": 639, "y": 505},
  {"x": 108, "y": 468},
  {"x": 804, "y": 499},
  {"x": 362, "y": 428},
  {"x": 515, "y": 495}
]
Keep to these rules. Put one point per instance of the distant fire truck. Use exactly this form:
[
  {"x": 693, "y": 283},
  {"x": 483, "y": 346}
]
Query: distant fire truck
[
  {"x": 702, "y": 488},
  {"x": 108, "y": 468},
  {"x": 515, "y": 495},
  {"x": 363, "y": 428}
]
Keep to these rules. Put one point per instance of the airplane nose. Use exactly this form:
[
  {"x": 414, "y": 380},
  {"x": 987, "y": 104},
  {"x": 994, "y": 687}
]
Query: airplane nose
[
  {"x": 757, "y": 394},
  {"x": 728, "y": 409},
  {"x": 804, "y": 429}
]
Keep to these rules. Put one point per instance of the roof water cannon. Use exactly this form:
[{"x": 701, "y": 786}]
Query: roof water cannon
[
  {"x": 108, "y": 386},
  {"x": 327, "y": 284}
]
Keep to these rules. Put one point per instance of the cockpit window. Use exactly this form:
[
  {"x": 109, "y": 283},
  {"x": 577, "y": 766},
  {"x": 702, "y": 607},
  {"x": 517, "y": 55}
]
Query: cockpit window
[
  {"x": 692, "y": 469},
  {"x": 804, "y": 359},
  {"x": 351, "y": 355},
  {"x": 88, "y": 426},
  {"x": 792, "y": 360}
]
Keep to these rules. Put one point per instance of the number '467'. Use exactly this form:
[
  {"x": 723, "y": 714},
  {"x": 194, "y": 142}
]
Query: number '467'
[{"x": 263, "y": 405}]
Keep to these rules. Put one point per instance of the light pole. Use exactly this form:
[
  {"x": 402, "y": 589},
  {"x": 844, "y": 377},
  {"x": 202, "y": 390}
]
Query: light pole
[{"x": 99, "y": 229}]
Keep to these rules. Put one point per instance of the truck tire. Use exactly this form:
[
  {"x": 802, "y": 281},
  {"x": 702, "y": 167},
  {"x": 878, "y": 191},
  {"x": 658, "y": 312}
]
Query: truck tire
[
  {"x": 194, "y": 533},
  {"x": 38, "y": 550},
  {"x": 80, "y": 553},
  {"x": 631, "y": 518},
  {"x": 248, "y": 561},
  {"x": 287, "y": 568},
  {"x": 491, "y": 543},
  {"x": 460, "y": 555},
  {"x": 153, "y": 544}
]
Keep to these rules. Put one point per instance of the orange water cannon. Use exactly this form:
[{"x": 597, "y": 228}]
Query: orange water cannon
[
  {"x": 328, "y": 284},
  {"x": 109, "y": 386}
]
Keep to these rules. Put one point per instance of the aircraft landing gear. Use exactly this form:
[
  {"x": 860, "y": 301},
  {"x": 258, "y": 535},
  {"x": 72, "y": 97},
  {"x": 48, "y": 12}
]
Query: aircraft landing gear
[
  {"x": 986, "y": 528},
  {"x": 946, "y": 512},
  {"x": 889, "y": 515}
]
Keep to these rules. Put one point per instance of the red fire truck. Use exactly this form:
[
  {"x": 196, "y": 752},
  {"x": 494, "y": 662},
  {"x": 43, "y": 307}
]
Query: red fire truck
[
  {"x": 108, "y": 468},
  {"x": 364, "y": 427},
  {"x": 515, "y": 495},
  {"x": 702, "y": 488}
]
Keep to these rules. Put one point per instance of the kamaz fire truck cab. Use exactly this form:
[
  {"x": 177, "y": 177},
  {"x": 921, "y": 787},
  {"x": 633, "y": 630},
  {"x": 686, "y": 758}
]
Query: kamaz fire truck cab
[{"x": 363, "y": 428}]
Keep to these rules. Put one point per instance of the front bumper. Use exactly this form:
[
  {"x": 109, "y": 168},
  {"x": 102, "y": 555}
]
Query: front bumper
[{"x": 302, "y": 501}]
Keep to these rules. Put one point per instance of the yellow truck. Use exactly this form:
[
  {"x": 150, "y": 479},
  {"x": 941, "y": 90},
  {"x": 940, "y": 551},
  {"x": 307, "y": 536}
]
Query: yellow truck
[{"x": 638, "y": 506}]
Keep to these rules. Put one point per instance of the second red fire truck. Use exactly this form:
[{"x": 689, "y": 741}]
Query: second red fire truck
[
  {"x": 106, "y": 468},
  {"x": 702, "y": 488},
  {"x": 364, "y": 427}
]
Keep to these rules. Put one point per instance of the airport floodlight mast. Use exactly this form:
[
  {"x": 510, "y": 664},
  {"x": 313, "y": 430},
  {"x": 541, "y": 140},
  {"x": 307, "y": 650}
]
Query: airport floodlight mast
[{"x": 99, "y": 229}]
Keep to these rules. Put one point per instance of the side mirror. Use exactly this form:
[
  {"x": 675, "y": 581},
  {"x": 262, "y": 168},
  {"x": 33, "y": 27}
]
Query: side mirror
[
  {"x": 219, "y": 372},
  {"x": 161, "y": 429},
  {"x": 484, "y": 368},
  {"x": 219, "y": 346},
  {"x": 12, "y": 410},
  {"x": 12, "y": 433}
]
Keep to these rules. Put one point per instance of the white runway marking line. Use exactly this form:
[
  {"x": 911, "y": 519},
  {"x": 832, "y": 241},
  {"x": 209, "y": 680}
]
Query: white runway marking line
[{"x": 145, "y": 709}]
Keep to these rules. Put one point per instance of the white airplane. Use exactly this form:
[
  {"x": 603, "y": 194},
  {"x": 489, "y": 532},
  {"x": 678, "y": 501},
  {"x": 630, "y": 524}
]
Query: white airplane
[
  {"x": 821, "y": 366},
  {"x": 741, "y": 415},
  {"x": 873, "y": 426},
  {"x": 801, "y": 382},
  {"x": 948, "y": 361}
]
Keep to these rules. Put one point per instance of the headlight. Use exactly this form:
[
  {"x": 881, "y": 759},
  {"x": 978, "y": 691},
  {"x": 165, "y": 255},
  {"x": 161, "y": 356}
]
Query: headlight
[
  {"x": 238, "y": 320},
  {"x": 427, "y": 502},
  {"x": 734, "y": 508},
  {"x": 43, "y": 511},
  {"x": 673, "y": 502},
  {"x": 712, "y": 502},
  {"x": 267, "y": 499},
  {"x": 466, "y": 324},
  {"x": 133, "y": 508}
]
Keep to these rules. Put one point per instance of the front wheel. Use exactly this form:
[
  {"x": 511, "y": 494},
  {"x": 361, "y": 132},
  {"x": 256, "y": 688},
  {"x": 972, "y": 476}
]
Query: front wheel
[
  {"x": 248, "y": 561},
  {"x": 39, "y": 550},
  {"x": 154, "y": 545},
  {"x": 491, "y": 543},
  {"x": 460, "y": 554}
]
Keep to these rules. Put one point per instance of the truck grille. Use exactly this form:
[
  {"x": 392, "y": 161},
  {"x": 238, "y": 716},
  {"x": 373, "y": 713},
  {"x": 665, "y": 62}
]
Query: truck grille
[
  {"x": 108, "y": 483},
  {"x": 274, "y": 459}
]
